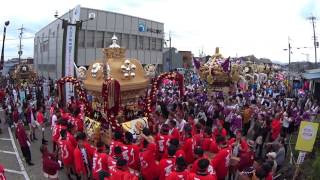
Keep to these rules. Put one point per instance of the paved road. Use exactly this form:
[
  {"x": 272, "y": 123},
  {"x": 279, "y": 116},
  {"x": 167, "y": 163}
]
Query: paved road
[{"x": 12, "y": 159}]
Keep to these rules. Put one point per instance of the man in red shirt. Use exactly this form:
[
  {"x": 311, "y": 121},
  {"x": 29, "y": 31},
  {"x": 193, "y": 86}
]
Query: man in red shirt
[
  {"x": 81, "y": 157},
  {"x": 66, "y": 152},
  {"x": 239, "y": 143},
  {"x": 116, "y": 141},
  {"x": 180, "y": 172},
  {"x": 121, "y": 172},
  {"x": 199, "y": 154},
  {"x": 275, "y": 127},
  {"x": 179, "y": 152},
  {"x": 206, "y": 143},
  {"x": 2, "y": 176},
  {"x": 162, "y": 140},
  {"x": 70, "y": 135},
  {"x": 50, "y": 166},
  {"x": 220, "y": 131},
  {"x": 247, "y": 157},
  {"x": 40, "y": 120},
  {"x": 221, "y": 161},
  {"x": 174, "y": 131},
  {"x": 130, "y": 152},
  {"x": 24, "y": 142},
  {"x": 166, "y": 165},
  {"x": 189, "y": 145},
  {"x": 202, "y": 173},
  {"x": 149, "y": 168},
  {"x": 100, "y": 161},
  {"x": 60, "y": 124}
]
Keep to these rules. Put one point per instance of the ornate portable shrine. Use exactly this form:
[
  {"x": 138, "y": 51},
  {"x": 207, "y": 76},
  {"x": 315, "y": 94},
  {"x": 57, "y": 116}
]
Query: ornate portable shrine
[
  {"x": 116, "y": 81},
  {"x": 24, "y": 73}
]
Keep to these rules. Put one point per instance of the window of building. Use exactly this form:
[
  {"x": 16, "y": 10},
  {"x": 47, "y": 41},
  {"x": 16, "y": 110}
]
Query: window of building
[
  {"x": 159, "y": 43},
  {"x": 119, "y": 36},
  {"x": 107, "y": 38},
  {"x": 81, "y": 40},
  {"x": 140, "y": 45},
  {"x": 146, "y": 43},
  {"x": 153, "y": 43},
  {"x": 125, "y": 41},
  {"x": 90, "y": 39},
  {"x": 133, "y": 42},
  {"x": 99, "y": 39}
]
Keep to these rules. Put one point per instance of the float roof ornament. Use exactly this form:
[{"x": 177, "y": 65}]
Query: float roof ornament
[{"x": 114, "y": 42}]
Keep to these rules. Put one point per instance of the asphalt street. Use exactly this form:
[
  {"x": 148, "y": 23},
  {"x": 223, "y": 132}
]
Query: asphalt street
[{"x": 12, "y": 159}]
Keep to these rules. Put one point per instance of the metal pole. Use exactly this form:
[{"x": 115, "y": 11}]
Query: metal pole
[
  {"x": 313, "y": 18},
  {"x": 78, "y": 28},
  {"x": 170, "y": 63},
  {"x": 2, "y": 51},
  {"x": 64, "y": 40}
]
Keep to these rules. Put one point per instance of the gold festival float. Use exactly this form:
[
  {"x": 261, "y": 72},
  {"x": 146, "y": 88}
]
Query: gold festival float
[
  {"x": 24, "y": 73},
  {"x": 116, "y": 83},
  {"x": 221, "y": 74}
]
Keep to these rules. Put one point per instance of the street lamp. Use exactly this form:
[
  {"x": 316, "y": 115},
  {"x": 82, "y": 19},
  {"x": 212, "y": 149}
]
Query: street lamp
[
  {"x": 3, "y": 40},
  {"x": 78, "y": 25}
]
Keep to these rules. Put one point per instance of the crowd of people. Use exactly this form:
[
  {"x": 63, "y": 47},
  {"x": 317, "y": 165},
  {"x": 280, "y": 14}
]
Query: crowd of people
[{"x": 203, "y": 135}]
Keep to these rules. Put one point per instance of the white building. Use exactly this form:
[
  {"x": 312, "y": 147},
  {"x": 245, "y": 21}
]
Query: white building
[{"x": 142, "y": 38}]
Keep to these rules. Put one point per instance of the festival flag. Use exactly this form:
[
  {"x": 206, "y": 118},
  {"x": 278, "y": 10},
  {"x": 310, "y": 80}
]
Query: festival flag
[
  {"x": 226, "y": 65},
  {"x": 196, "y": 64}
]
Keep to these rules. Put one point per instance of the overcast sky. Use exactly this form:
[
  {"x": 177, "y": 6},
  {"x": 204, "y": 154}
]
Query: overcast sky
[{"x": 239, "y": 27}]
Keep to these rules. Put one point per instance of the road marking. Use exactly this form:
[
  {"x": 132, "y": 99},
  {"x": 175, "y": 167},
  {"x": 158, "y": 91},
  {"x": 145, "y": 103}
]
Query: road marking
[
  {"x": 8, "y": 152},
  {"x": 13, "y": 171},
  {"x": 23, "y": 170},
  {"x": 5, "y": 139}
]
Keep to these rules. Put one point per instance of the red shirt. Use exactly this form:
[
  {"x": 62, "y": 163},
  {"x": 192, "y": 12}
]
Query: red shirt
[
  {"x": 175, "y": 134},
  {"x": 114, "y": 144},
  {"x": 217, "y": 132},
  {"x": 117, "y": 174},
  {"x": 166, "y": 166},
  {"x": 2, "y": 176},
  {"x": 243, "y": 144},
  {"x": 100, "y": 162},
  {"x": 193, "y": 176},
  {"x": 162, "y": 142},
  {"x": 49, "y": 165},
  {"x": 221, "y": 161},
  {"x": 175, "y": 175},
  {"x": 188, "y": 149},
  {"x": 66, "y": 152},
  {"x": 71, "y": 139},
  {"x": 195, "y": 167},
  {"x": 79, "y": 124},
  {"x": 246, "y": 160},
  {"x": 149, "y": 169},
  {"x": 79, "y": 163},
  {"x": 56, "y": 132},
  {"x": 179, "y": 153},
  {"x": 198, "y": 139},
  {"x": 40, "y": 117},
  {"x": 131, "y": 154},
  {"x": 206, "y": 143},
  {"x": 15, "y": 116},
  {"x": 214, "y": 148},
  {"x": 275, "y": 128}
]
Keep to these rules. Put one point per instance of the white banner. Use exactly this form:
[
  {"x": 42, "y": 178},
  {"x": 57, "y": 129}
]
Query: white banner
[{"x": 70, "y": 46}]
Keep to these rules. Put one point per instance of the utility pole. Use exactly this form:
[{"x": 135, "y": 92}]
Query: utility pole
[
  {"x": 20, "y": 45},
  {"x": 315, "y": 43},
  {"x": 170, "y": 55}
]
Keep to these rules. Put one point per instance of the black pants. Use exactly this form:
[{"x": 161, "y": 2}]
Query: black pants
[{"x": 26, "y": 153}]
